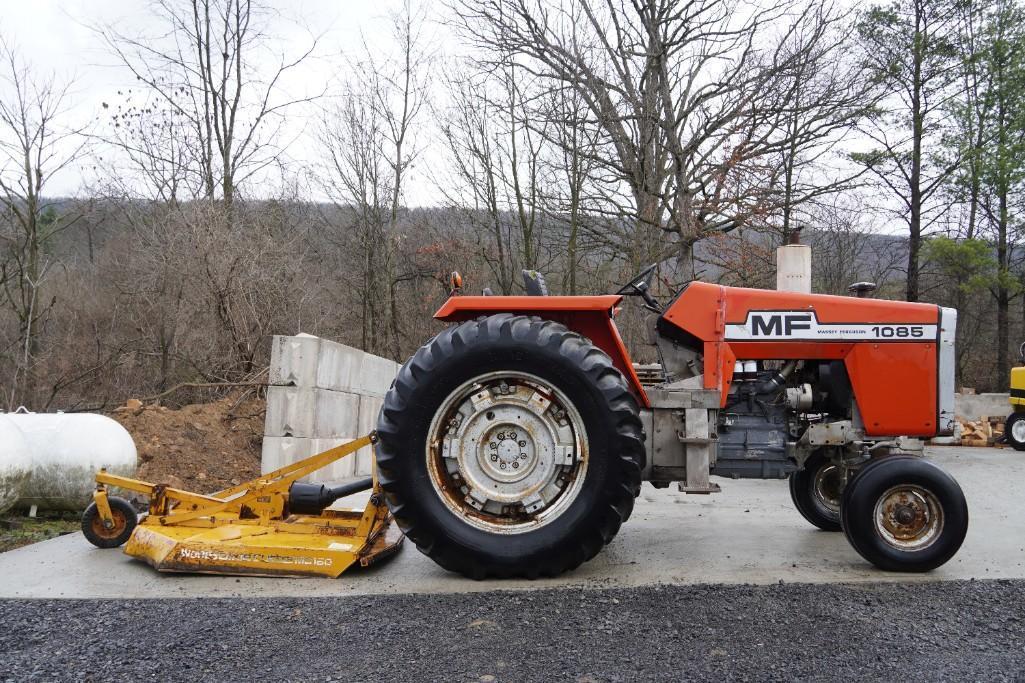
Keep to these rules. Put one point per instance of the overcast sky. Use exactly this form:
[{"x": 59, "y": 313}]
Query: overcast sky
[{"x": 57, "y": 36}]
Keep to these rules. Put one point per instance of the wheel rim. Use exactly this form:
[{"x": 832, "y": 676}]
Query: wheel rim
[
  {"x": 507, "y": 452},
  {"x": 827, "y": 487},
  {"x": 909, "y": 517},
  {"x": 120, "y": 522},
  {"x": 1018, "y": 431}
]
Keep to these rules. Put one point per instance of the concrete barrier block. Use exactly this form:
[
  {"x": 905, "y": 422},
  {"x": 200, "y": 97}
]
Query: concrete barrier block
[
  {"x": 279, "y": 451},
  {"x": 311, "y": 413},
  {"x": 293, "y": 360},
  {"x": 971, "y": 407},
  {"x": 339, "y": 367},
  {"x": 377, "y": 375},
  {"x": 369, "y": 408}
]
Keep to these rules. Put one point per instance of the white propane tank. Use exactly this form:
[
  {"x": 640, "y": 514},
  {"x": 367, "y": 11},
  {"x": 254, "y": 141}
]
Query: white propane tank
[
  {"x": 68, "y": 449},
  {"x": 15, "y": 463}
]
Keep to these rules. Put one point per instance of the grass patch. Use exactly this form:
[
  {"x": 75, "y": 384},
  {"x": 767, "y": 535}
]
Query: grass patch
[{"x": 17, "y": 531}]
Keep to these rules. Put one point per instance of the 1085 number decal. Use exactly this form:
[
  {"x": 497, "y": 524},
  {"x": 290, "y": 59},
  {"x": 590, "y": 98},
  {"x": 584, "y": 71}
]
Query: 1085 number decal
[{"x": 899, "y": 331}]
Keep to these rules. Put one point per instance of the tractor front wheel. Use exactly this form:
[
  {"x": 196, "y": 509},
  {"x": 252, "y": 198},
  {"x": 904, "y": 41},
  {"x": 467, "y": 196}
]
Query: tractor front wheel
[
  {"x": 904, "y": 514},
  {"x": 510, "y": 446},
  {"x": 816, "y": 490}
]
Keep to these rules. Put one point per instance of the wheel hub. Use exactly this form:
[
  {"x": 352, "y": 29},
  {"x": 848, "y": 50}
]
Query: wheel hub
[
  {"x": 909, "y": 517},
  {"x": 506, "y": 450},
  {"x": 828, "y": 486},
  {"x": 508, "y": 453},
  {"x": 1018, "y": 431}
]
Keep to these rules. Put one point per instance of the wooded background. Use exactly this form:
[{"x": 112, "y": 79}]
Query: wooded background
[{"x": 583, "y": 139}]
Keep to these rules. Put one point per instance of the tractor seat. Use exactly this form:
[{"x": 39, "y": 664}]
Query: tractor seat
[{"x": 534, "y": 283}]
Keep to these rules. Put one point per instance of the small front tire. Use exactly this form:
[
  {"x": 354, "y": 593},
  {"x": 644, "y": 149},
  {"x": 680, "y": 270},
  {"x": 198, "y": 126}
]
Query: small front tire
[
  {"x": 904, "y": 514},
  {"x": 125, "y": 521}
]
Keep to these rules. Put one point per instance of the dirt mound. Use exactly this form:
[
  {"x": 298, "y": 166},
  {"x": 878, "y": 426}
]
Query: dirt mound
[{"x": 203, "y": 447}]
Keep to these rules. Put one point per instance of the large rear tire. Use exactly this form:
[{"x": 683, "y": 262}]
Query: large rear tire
[{"x": 510, "y": 446}]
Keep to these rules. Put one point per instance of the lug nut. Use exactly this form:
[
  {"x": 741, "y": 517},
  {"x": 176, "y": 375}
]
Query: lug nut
[
  {"x": 494, "y": 458},
  {"x": 522, "y": 444},
  {"x": 502, "y": 465},
  {"x": 515, "y": 465},
  {"x": 523, "y": 456},
  {"x": 494, "y": 445}
]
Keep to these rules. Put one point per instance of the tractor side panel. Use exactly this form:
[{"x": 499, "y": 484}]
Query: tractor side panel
[
  {"x": 890, "y": 348},
  {"x": 590, "y": 316}
]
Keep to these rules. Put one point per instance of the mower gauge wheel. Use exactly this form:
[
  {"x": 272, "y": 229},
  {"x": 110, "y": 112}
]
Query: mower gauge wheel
[{"x": 125, "y": 520}]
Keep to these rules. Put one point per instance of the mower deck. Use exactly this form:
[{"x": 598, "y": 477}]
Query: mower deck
[
  {"x": 247, "y": 530},
  {"x": 313, "y": 546}
]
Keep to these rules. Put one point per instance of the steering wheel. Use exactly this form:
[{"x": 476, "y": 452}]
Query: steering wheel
[{"x": 640, "y": 285}]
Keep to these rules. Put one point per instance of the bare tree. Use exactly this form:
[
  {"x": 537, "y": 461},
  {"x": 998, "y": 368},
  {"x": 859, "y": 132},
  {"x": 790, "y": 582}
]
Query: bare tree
[
  {"x": 686, "y": 96},
  {"x": 205, "y": 67},
  {"x": 496, "y": 154},
  {"x": 369, "y": 147},
  {"x": 908, "y": 47},
  {"x": 571, "y": 166},
  {"x": 36, "y": 143}
]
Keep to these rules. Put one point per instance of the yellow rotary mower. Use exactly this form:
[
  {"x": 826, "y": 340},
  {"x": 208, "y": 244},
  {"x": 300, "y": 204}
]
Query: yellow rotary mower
[{"x": 273, "y": 525}]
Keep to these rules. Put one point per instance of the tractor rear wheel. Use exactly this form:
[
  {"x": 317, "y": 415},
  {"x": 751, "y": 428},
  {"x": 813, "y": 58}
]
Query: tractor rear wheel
[
  {"x": 904, "y": 514},
  {"x": 510, "y": 446},
  {"x": 816, "y": 490}
]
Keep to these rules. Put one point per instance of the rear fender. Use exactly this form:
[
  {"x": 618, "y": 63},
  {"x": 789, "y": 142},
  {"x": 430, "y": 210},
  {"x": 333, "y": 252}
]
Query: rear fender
[{"x": 590, "y": 316}]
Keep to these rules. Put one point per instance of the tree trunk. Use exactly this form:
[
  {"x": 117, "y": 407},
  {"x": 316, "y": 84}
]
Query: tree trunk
[{"x": 1003, "y": 366}]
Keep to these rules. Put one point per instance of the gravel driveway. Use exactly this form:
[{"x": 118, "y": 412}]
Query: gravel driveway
[{"x": 915, "y": 631}]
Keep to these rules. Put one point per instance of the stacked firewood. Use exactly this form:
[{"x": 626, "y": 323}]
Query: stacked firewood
[{"x": 986, "y": 431}]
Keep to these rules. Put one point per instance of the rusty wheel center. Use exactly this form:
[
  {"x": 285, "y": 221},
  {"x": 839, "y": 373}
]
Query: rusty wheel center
[
  {"x": 909, "y": 517},
  {"x": 507, "y": 452},
  {"x": 120, "y": 522}
]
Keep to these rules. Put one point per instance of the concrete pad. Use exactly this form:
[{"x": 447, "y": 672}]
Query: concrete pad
[{"x": 750, "y": 533}]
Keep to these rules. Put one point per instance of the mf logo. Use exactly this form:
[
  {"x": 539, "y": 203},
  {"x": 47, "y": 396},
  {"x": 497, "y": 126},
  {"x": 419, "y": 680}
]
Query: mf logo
[
  {"x": 776, "y": 324},
  {"x": 792, "y": 325}
]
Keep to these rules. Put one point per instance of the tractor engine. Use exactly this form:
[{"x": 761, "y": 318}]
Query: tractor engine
[
  {"x": 755, "y": 426},
  {"x": 769, "y": 408}
]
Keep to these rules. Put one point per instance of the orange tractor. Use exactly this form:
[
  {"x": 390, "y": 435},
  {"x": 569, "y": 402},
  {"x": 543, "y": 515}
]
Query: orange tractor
[{"x": 515, "y": 441}]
